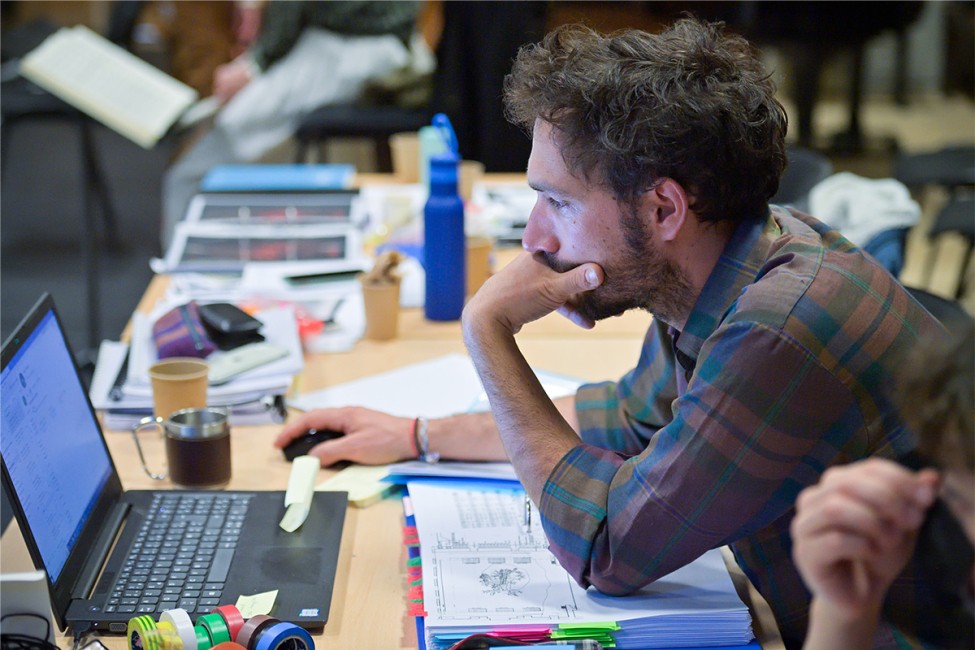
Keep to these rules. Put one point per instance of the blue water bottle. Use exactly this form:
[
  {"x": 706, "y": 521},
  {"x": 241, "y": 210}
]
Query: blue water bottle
[{"x": 443, "y": 233}]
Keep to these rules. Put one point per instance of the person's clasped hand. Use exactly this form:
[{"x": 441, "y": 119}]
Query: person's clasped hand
[
  {"x": 855, "y": 530},
  {"x": 527, "y": 289},
  {"x": 371, "y": 437},
  {"x": 230, "y": 78}
]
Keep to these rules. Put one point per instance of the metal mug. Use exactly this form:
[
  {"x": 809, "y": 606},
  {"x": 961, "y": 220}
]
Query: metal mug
[{"x": 197, "y": 446}]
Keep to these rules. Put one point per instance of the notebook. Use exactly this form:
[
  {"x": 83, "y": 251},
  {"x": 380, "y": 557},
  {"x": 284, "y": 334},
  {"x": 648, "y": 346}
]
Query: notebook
[{"x": 82, "y": 528}]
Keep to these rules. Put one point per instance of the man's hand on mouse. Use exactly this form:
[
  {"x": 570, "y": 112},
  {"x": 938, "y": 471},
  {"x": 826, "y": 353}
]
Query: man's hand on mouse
[{"x": 371, "y": 437}]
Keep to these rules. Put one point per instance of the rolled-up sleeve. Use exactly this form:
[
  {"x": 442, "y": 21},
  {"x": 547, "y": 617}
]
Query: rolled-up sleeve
[{"x": 750, "y": 431}]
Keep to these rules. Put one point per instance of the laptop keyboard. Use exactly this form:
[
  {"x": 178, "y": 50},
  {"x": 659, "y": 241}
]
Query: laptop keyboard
[{"x": 181, "y": 554}]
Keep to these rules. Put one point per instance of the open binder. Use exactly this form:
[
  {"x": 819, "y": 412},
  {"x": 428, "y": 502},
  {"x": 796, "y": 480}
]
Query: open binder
[{"x": 476, "y": 566}]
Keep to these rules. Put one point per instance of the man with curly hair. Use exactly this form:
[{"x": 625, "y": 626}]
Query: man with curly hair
[{"x": 654, "y": 158}]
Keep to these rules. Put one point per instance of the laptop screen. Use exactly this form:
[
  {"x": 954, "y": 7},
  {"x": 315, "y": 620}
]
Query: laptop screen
[{"x": 51, "y": 444}]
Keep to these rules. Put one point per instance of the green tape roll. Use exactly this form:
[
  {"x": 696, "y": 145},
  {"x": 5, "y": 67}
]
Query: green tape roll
[{"x": 216, "y": 626}]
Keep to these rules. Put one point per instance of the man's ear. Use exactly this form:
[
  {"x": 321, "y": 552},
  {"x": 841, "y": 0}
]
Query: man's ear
[{"x": 667, "y": 206}]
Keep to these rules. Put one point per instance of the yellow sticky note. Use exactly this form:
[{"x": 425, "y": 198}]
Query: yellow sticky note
[
  {"x": 363, "y": 483},
  {"x": 301, "y": 490},
  {"x": 256, "y": 604}
]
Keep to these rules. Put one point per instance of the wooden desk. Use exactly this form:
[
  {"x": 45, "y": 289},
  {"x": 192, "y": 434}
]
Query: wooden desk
[{"x": 369, "y": 599}]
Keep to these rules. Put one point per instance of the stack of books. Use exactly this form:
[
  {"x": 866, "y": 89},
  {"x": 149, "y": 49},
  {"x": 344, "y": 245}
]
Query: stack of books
[{"x": 121, "y": 389}]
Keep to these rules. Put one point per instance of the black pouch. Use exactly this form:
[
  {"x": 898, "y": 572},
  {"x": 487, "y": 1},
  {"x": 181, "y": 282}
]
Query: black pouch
[{"x": 230, "y": 326}]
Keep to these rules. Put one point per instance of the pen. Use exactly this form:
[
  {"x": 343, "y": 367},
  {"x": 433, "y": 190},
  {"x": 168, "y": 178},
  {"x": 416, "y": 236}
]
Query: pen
[
  {"x": 115, "y": 394},
  {"x": 528, "y": 512}
]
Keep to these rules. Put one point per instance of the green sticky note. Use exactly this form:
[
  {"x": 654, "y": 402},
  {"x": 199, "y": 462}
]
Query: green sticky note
[{"x": 608, "y": 626}]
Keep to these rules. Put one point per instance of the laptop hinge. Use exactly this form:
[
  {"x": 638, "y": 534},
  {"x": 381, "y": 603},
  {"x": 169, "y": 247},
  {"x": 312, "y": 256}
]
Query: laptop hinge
[{"x": 100, "y": 550}]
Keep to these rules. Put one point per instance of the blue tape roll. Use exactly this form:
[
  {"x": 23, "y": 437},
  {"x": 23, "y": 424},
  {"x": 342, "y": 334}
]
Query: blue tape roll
[{"x": 285, "y": 636}]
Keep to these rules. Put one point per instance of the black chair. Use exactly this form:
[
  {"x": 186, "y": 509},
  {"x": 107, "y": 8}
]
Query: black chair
[
  {"x": 949, "y": 313},
  {"x": 952, "y": 168},
  {"x": 375, "y": 123},
  {"x": 958, "y": 216},
  {"x": 805, "y": 169}
]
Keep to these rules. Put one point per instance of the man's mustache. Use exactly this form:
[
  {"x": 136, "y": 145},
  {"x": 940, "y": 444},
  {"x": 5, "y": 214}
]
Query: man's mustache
[{"x": 553, "y": 262}]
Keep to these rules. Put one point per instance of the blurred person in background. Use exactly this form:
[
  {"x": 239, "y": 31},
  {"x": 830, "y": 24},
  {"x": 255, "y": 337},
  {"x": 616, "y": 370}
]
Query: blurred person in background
[{"x": 304, "y": 55}]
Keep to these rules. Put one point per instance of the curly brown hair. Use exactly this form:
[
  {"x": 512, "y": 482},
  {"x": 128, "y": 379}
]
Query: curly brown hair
[{"x": 691, "y": 103}]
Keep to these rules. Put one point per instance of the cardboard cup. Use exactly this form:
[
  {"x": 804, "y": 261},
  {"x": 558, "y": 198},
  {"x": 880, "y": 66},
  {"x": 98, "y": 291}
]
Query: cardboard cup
[
  {"x": 381, "y": 302},
  {"x": 469, "y": 173},
  {"x": 478, "y": 263},
  {"x": 178, "y": 383},
  {"x": 404, "y": 148}
]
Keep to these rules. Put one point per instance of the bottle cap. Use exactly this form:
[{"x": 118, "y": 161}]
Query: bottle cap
[
  {"x": 443, "y": 165},
  {"x": 442, "y": 123}
]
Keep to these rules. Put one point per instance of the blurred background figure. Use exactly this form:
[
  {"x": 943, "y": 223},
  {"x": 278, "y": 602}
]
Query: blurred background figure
[
  {"x": 856, "y": 531},
  {"x": 304, "y": 55}
]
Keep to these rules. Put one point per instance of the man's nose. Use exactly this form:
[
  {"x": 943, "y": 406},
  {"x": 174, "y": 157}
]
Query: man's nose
[{"x": 539, "y": 235}]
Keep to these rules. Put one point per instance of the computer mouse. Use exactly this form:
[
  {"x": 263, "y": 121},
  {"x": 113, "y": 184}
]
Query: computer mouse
[{"x": 301, "y": 445}]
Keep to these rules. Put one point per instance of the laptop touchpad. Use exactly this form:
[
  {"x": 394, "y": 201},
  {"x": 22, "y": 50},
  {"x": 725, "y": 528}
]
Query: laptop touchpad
[{"x": 289, "y": 565}]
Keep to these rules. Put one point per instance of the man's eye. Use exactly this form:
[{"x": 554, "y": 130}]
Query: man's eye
[{"x": 555, "y": 203}]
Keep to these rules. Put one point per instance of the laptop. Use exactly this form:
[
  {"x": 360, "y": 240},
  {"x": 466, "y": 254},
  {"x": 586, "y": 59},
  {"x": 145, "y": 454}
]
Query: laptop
[{"x": 87, "y": 534}]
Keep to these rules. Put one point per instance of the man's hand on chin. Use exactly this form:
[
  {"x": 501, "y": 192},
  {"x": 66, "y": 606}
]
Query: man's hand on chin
[{"x": 526, "y": 290}]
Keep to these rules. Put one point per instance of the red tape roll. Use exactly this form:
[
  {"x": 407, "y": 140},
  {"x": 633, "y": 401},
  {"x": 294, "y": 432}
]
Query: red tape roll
[{"x": 232, "y": 617}]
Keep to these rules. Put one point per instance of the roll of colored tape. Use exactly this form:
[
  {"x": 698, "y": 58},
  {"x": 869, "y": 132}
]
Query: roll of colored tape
[
  {"x": 285, "y": 636},
  {"x": 250, "y": 631},
  {"x": 203, "y": 640},
  {"x": 144, "y": 634},
  {"x": 228, "y": 645},
  {"x": 138, "y": 633},
  {"x": 215, "y": 625},
  {"x": 173, "y": 639},
  {"x": 181, "y": 622},
  {"x": 232, "y": 617}
]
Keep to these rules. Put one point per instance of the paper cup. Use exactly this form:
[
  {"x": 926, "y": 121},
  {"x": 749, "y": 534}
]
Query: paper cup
[
  {"x": 469, "y": 173},
  {"x": 381, "y": 302},
  {"x": 178, "y": 383},
  {"x": 404, "y": 148}
]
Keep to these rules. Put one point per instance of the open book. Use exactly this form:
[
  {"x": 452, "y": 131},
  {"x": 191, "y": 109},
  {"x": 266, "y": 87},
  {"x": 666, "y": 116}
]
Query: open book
[{"x": 113, "y": 86}]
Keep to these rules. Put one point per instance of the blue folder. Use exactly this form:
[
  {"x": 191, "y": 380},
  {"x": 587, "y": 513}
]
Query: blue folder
[{"x": 278, "y": 178}]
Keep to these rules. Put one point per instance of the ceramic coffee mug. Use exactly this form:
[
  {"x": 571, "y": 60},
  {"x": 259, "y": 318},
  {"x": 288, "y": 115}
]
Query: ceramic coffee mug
[{"x": 197, "y": 447}]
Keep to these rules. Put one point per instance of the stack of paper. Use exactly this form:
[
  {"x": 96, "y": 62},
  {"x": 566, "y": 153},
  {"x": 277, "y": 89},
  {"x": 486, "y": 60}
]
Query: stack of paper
[
  {"x": 485, "y": 569},
  {"x": 222, "y": 232},
  {"x": 255, "y": 396}
]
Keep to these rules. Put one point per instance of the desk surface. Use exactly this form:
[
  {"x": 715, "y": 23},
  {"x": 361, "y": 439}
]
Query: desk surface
[{"x": 369, "y": 599}]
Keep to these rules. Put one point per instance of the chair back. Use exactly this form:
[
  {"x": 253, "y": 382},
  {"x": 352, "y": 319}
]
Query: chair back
[{"x": 805, "y": 168}]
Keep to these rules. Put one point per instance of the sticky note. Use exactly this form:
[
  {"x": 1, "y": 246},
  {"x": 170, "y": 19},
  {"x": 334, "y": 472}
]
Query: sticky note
[
  {"x": 301, "y": 490},
  {"x": 363, "y": 483},
  {"x": 256, "y": 604}
]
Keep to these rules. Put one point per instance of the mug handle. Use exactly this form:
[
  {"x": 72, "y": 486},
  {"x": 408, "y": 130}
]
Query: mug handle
[{"x": 143, "y": 423}]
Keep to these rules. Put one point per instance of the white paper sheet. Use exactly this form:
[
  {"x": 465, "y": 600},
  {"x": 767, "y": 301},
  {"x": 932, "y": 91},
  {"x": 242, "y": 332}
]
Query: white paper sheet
[{"x": 440, "y": 387}]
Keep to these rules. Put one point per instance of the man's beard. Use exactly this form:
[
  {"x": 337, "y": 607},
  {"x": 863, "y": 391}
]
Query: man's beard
[{"x": 638, "y": 278}]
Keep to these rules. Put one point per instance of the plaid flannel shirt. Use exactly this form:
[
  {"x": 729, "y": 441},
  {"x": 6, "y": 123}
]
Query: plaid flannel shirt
[{"x": 780, "y": 372}]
